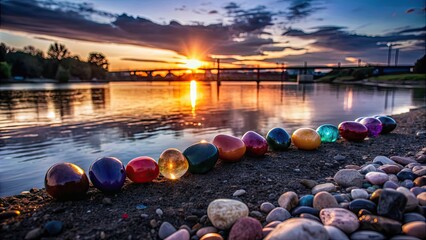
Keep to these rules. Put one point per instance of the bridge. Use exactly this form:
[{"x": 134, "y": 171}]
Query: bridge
[{"x": 281, "y": 71}]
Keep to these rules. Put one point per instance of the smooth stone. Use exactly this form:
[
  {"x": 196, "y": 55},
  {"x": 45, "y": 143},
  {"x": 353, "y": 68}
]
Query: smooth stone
[
  {"x": 181, "y": 234},
  {"x": 9, "y": 214},
  {"x": 348, "y": 178},
  {"x": 202, "y": 157},
  {"x": 205, "y": 230},
  {"x": 306, "y": 200},
  {"x": 288, "y": 200},
  {"x": 359, "y": 193},
  {"x": 246, "y": 228},
  {"x": 212, "y": 236},
  {"x": 304, "y": 209},
  {"x": 172, "y": 164},
  {"x": 35, "y": 233},
  {"x": 308, "y": 183},
  {"x": 66, "y": 181},
  {"x": 107, "y": 174},
  {"x": 273, "y": 224},
  {"x": 298, "y": 228},
  {"x": 407, "y": 184},
  {"x": 359, "y": 204},
  {"x": 420, "y": 181},
  {"x": 53, "y": 228},
  {"x": 403, "y": 160},
  {"x": 341, "y": 218},
  {"x": 393, "y": 178},
  {"x": 278, "y": 139},
  {"x": 166, "y": 229},
  {"x": 256, "y": 214},
  {"x": 306, "y": 139},
  {"x": 421, "y": 198},
  {"x": 231, "y": 149},
  {"x": 420, "y": 171},
  {"x": 328, "y": 133},
  {"x": 367, "y": 235},
  {"x": 415, "y": 229},
  {"x": 373, "y": 125},
  {"x": 390, "y": 184},
  {"x": 412, "y": 201},
  {"x": 324, "y": 200},
  {"x": 390, "y": 168},
  {"x": 339, "y": 157},
  {"x": 256, "y": 144},
  {"x": 142, "y": 169},
  {"x": 340, "y": 198},
  {"x": 376, "y": 178},
  {"x": 368, "y": 168},
  {"x": 380, "y": 224},
  {"x": 327, "y": 187},
  {"x": 353, "y": 131},
  {"x": 310, "y": 216},
  {"x": 417, "y": 190},
  {"x": 335, "y": 234},
  {"x": 405, "y": 174},
  {"x": 239, "y": 193},
  {"x": 225, "y": 212},
  {"x": 391, "y": 204},
  {"x": 388, "y": 124},
  {"x": 412, "y": 217},
  {"x": 382, "y": 160},
  {"x": 266, "y": 207},
  {"x": 278, "y": 214}
]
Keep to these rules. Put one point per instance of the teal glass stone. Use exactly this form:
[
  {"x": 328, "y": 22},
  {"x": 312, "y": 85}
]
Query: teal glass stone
[
  {"x": 202, "y": 157},
  {"x": 328, "y": 133},
  {"x": 306, "y": 200}
]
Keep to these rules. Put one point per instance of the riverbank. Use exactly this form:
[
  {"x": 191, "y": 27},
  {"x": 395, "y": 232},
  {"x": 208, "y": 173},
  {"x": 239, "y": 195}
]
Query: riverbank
[{"x": 134, "y": 213}]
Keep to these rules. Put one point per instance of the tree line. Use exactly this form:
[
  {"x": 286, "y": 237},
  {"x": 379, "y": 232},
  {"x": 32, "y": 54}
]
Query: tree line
[{"x": 58, "y": 64}]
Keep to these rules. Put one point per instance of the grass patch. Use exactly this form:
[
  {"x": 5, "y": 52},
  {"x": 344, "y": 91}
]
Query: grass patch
[{"x": 401, "y": 77}]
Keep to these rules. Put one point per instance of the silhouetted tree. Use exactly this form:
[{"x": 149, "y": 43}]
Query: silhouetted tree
[
  {"x": 420, "y": 65},
  {"x": 33, "y": 51},
  {"x": 58, "y": 51},
  {"x": 99, "y": 65},
  {"x": 3, "y": 51},
  {"x": 5, "y": 71}
]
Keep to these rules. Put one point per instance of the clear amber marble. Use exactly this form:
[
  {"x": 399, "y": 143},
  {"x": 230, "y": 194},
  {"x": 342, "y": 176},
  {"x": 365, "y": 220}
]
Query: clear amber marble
[{"x": 172, "y": 164}]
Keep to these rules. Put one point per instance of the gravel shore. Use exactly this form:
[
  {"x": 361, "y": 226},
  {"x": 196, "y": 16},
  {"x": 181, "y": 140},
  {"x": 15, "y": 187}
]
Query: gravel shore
[{"x": 139, "y": 209}]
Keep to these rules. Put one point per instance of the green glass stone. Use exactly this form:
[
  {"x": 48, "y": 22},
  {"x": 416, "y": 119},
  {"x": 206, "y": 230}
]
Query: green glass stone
[
  {"x": 328, "y": 133},
  {"x": 202, "y": 157}
]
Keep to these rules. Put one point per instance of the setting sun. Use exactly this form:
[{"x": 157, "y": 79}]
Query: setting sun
[{"x": 193, "y": 63}]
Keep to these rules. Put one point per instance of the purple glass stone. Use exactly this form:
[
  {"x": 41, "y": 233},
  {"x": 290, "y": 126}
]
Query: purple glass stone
[
  {"x": 373, "y": 125},
  {"x": 107, "y": 174}
]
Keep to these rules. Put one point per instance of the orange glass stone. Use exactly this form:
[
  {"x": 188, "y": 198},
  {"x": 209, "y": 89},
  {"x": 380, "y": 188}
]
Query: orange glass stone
[
  {"x": 306, "y": 139},
  {"x": 231, "y": 149}
]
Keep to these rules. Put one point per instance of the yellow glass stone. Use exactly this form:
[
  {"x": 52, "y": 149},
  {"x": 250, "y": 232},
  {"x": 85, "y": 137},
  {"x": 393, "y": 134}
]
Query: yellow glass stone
[
  {"x": 172, "y": 164},
  {"x": 306, "y": 139}
]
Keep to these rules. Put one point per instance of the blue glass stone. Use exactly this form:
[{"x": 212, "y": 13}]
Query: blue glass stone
[
  {"x": 278, "y": 139},
  {"x": 328, "y": 133},
  {"x": 202, "y": 157},
  {"x": 306, "y": 200},
  {"x": 107, "y": 174},
  {"x": 53, "y": 228}
]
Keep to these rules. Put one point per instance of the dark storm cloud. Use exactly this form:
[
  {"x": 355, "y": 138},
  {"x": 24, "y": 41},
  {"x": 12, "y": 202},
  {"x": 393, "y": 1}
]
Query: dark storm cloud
[
  {"x": 74, "y": 21},
  {"x": 301, "y": 9}
]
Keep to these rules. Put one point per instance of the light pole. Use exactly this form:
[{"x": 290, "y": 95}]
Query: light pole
[{"x": 389, "y": 52}]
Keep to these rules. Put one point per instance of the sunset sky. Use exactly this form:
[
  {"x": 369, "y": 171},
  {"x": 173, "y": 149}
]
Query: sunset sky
[{"x": 144, "y": 34}]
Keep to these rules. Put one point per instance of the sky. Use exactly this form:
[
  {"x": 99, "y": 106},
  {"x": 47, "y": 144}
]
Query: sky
[{"x": 146, "y": 34}]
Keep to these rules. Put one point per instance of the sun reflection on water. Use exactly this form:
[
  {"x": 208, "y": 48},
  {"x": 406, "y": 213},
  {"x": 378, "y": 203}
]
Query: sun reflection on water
[{"x": 193, "y": 95}]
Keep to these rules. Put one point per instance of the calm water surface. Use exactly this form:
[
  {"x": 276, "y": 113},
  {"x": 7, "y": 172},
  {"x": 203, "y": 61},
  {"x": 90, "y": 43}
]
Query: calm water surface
[{"x": 41, "y": 125}]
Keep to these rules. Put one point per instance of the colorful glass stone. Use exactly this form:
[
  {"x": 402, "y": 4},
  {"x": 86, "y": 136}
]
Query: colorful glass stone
[
  {"x": 142, "y": 169},
  {"x": 107, "y": 174},
  {"x": 202, "y": 157},
  {"x": 306, "y": 139},
  {"x": 66, "y": 181},
  {"x": 373, "y": 125},
  {"x": 278, "y": 139},
  {"x": 328, "y": 133},
  {"x": 231, "y": 149},
  {"x": 255, "y": 143},
  {"x": 172, "y": 164},
  {"x": 353, "y": 131},
  {"x": 388, "y": 124}
]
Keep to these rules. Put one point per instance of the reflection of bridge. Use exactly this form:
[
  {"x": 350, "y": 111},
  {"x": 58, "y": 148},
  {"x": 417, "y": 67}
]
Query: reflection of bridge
[{"x": 282, "y": 71}]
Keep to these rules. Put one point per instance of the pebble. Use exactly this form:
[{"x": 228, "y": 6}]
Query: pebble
[
  {"x": 310, "y": 216},
  {"x": 212, "y": 236},
  {"x": 295, "y": 228},
  {"x": 239, "y": 192},
  {"x": 327, "y": 187},
  {"x": 407, "y": 184},
  {"x": 339, "y": 157},
  {"x": 412, "y": 217},
  {"x": 278, "y": 214},
  {"x": 367, "y": 235},
  {"x": 304, "y": 209},
  {"x": 153, "y": 223},
  {"x": 368, "y": 168},
  {"x": 421, "y": 198},
  {"x": 415, "y": 229},
  {"x": 36, "y": 233},
  {"x": 9, "y": 214},
  {"x": 166, "y": 229},
  {"x": 306, "y": 200},
  {"x": 340, "y": 218},
  {"x": 288, "y": 200},
  {"x": 391, "y": 204},
  {"x": 266, "y": 207},
  {"x": 205, "y": 230},
  {"x": 359, "y": 193},
  {"x": 324, "y": 200},
  {"x": 159, "y": 212},
  {"x": 390, "y": 184},
  {"x": 53, "y": 228},
  {"x": 256, "y": 214},
  {"x": 421, "y": 171},
  {"x": 377, "y": 178},
  {"x": 390, "y": 169},
  {"x": 412, "y": 201},
  {"x": 181, "y": 234},
  {"x": 335, "y": 234},
  {"x": 420, "y": 181},
  {"x": 348, "y": 178},
  {"x": 224, "y": 212},
  {"x": 246, "y": 228},
  {"x": 356, "y": 205},
  {"x": 273, "y": 224},
  {"x": 266, "y": 231},
  {"x": 380, "y": 224},
  {"x": 382, "y": 160},
  {"x": 106, "y": 201},
  {"x": 308, "y": 183},
  {"x": 403, "y": 160},
  {"x": 405, "y": 174}
]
